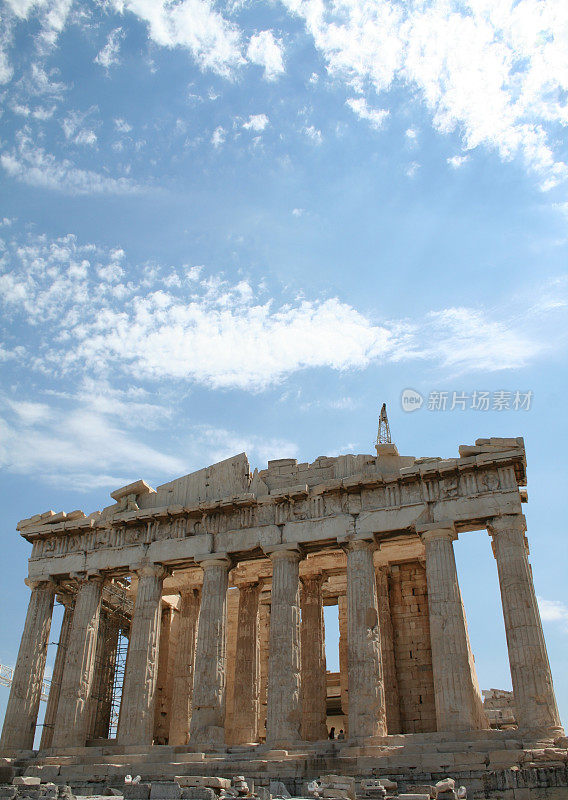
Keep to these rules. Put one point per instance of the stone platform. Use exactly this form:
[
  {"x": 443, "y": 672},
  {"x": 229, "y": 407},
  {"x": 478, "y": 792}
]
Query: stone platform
[{"x": 482, "y": 761}]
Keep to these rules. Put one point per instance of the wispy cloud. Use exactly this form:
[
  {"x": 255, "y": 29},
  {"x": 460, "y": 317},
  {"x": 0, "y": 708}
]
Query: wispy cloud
[
  {"x": 190, "y": 326},
  {"x": 554, "y": 611},
  {"x": 374, "y": 116},
  {"x": 99, "y": 436},
  {"x": 494, "y": 72},
  {"x": 213, "y": 41},
  {"x": 219, "y": 136},
  {"x": 31, "y": 164},
  {"x": 108, "y": 56},
  {"x": 256, "y": 122}
]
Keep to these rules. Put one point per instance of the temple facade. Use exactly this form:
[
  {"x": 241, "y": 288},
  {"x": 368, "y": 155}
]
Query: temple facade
[{"x": 216, "y": 584}]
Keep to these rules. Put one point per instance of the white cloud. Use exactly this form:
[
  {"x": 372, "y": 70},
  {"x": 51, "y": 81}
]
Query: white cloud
[
  {"x": 86, "y": 311},
  {"x": 554, "y": 611},
  {"x": 314, "y": 134},
  {"x": 298, "y": 212},
  {"x": 256, "y": 122},
  {"x": 52, "y": 16},
  {"x": 218, "y": 137},
  {"x": 495, "y": 72},
  {"x": 374, "y": 116},
  {"x": 75, "y": 129},
  {"x": 109, "y": 55},
  {"x": 412, "y": 169},
  {"x": 212, "y": 40},
  {"x": 122, "y": 126},
  {"x": 84, "y": 441},
  {"x": 31, "y": 164},
  {"x": 219, "y": 444},
  {"x": 87, "y": 317},
  {"x": 456, "y": 162},
  {"x": 266, "y": 51}
]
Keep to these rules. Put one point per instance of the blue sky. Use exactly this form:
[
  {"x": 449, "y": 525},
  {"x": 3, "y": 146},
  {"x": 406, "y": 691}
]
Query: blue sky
[{"x": 243, "y": 225}]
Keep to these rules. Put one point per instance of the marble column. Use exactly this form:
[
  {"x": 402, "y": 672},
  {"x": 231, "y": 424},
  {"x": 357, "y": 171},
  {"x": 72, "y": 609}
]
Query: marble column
[
  {"x": 72, "y": 716},
  {"x": 247, "y": 666},
  {"x": 392, "y": 700},
  {"x": 343, "y": 660},
  {"x": 105, "y": 661},
  {"x": 57, "y": 676},
  {"x": 207, "y": 727},
  {"x": 533, "y": 691},
  {"x": 264, "y": 647},
  {"x": 283, "y": 716},
  {"x": 313, "y": 677},
  {"x": 367, "y": 717},
  {"x": 168, "y": 645},
  {"x": 458, "y": 706},
  {"x": 23, "y": 703},
  {"x": 136, "y": 725},
  {"x": 182, "y": 679}
]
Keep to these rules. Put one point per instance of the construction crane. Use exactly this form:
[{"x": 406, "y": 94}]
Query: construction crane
[
  {"x": 383, "y": 432},
  {"x": 7, "y": 676}
]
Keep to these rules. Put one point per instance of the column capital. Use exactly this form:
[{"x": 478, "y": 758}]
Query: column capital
[
  {"x": 83, "y": 577},
  {"x": 35, "y": 583},
  {"x": 284, "y": 551},
  {"x": 207, "y": 560},
  {"x": 350, "y": 545},
  {"x": 248, "y": 584},
  {"x": 150, "y": 569},
  {"x": 65, "y": 599},
  {"x": 507, "y": 522},
  {"x": 433, "y": 531},
  {"x": 315, "y": 578}
]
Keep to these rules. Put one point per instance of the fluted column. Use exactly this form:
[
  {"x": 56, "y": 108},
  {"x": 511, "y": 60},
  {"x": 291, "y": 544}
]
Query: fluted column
[
  {"x": 314, "y": 679},
  {"x": 207, "y": 727},
  {"x": 367, "y": 717},
  {"x": 105, "y": 661},
  {"x": 57, "y": 676},
  {"x": 247, "y": 666},
  {"x": 72, "y": 716},
  {"x": 343, "y": 659},
  {"x": 23, "y": 703},
  {"x": 392, "y": 700},
  {"x": 533, "y": 690},
  {"x": 182, "y": 691},
  {"x": 458, "y": 707},
  {"x": 283, "y": 717},
  {"x": 136, "y": 725}
]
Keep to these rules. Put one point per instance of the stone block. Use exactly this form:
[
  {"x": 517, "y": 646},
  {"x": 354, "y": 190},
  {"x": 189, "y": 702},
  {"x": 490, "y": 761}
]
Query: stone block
[
  {"x": 136, "y": 791},
  {"x": 198, "y": 793},
  {"x": 426, "y": 789},
  {"x": 211, "y": 781},
  {"x": 278, "y": 789},
  {"x": 46, "y": 772},
  {"x": 26, "y": 780},
  {"x": 165, "y": 790},
  {"x": 414, "y": 796}
]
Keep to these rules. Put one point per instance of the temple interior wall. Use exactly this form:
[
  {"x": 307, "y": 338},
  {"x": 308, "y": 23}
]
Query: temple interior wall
[{"x": 408, "y": 597}]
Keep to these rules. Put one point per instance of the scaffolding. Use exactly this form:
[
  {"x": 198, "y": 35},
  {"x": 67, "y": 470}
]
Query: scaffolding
[
  {"x": 7, "y": 677},
  {"x": 118, "y": 682}
]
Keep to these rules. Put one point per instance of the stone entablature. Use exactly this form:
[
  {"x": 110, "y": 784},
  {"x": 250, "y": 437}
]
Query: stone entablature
[{"x": 469, "y": 490}]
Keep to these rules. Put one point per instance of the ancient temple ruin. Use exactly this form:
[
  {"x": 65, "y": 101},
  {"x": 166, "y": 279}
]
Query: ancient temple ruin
[{"x": 216, "y": 583}]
